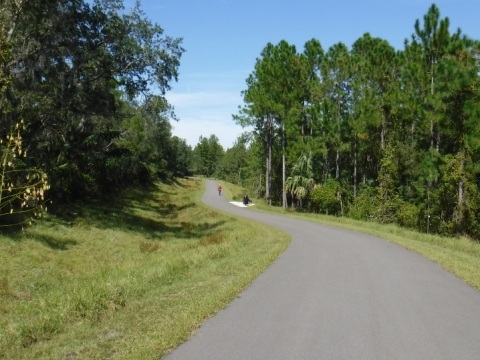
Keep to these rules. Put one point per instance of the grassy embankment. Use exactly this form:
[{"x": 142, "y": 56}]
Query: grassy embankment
[
  {"x": 127, "y": 281},
  {"x": 459, "y": 255}
]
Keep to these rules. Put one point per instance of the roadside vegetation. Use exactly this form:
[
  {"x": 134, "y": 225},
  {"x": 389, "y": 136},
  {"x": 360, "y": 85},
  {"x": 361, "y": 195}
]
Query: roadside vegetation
[
  {"x": 367, "y": 131},
  {"x": 126, "y": 280},
  {"x": 459, "y": 255},
  {"x": 394, "y": 142}
]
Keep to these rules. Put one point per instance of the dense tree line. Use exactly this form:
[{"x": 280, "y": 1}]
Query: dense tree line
[
  {"x": 207, "y": 155},
  {"x": 371, "y": 132},
  {"x": 88, "y": 80}
]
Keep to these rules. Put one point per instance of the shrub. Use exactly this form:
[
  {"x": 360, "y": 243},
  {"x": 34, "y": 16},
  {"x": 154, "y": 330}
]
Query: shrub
[
  {"x": 365, "y": 205},
  {"x": 324, "y": 198},
  {"x": 407, "y": 215}
]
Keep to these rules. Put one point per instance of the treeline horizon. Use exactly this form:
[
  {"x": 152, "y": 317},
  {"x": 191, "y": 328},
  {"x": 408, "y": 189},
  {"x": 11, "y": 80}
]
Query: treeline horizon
[{"x": 371, "y": 132}]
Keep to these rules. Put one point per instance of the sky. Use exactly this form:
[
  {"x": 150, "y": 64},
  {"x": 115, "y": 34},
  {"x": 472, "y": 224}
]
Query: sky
[{"x": 223, "y": 38}]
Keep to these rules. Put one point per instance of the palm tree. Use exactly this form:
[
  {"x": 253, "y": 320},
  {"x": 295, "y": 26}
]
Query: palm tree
[{"x": 301, "y": 182}]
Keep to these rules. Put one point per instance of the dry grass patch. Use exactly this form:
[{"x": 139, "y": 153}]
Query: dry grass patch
[
  {"x": 150, "y": 247},
  {"x": 213, "y": 239}
]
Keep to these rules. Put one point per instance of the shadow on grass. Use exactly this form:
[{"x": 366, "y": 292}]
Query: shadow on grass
[
  {"x": 150, "y": 212},
  {"x": 55, "y": 243}
]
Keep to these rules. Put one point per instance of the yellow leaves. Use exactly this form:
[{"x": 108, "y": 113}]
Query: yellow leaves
[
  {"x": 362, "y": 136},
  {"x": 22, "y": 189}
]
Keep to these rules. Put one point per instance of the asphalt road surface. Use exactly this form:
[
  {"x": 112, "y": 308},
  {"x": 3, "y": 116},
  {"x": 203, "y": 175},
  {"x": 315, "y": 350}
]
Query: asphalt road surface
[{"x": 338, "y": 294}]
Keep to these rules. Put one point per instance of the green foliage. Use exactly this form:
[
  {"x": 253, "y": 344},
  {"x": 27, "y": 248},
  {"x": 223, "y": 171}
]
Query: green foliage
[
  {"x": 365, "y": 205},
  {"x": 325, "y": 198},
  {"x": 300, "y": 184},
  {"x": 398, "y": 129},
  {"x": 407, "y": 215},
  {"x": 180, "y": 157},
  {"x": 207, "y": 156},
  {"x": 87, "y": 284},
  {"x": 89, "y": 81},
  {"x": 233, "y": 164},
  {"x": 273, "y": 104}
]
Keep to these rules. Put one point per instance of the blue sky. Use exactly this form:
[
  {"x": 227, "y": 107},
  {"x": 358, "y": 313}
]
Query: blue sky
[{"x": 223, "y": 38}]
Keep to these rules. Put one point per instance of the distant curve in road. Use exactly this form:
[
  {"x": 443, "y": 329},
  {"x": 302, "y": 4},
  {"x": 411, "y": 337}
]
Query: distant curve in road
[{"x": 339, "y": 294}]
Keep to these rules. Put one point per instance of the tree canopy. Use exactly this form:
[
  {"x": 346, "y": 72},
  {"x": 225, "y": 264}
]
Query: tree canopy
[
  {"x": 88, "y": 80},
  {"x": 388, "y": 135}
]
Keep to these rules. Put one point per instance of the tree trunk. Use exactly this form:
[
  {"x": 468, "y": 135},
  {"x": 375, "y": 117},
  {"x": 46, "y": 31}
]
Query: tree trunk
[
  {"x": 268, "y": 175},
  {"x": 267, "y": 190},
  {"x": 355, "y": 168},
  {"x": 432, "y": 83},
  {"x": 337, "y": 166},
  {"x": 459, "y": 211},
  {"x": 325, "y": 167},
  {"x": 382, "y": 135},
  {"x": 284, "y": 192},
  {"x": 268, "y": 179}
]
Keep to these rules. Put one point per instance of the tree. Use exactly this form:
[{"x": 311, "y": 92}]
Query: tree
[
  {"x": 375, "y": 92},
  {"x": 208, "y": 154},
  {"x": 300, "y": 183},
  {"x": 460, "y": 95},
  {"x": 73, "y": 64},
  {"x": 180, "y": 157},
  {"x": 274, "y": 102},
  {"x": 433, "y": 38},
  {"x": 450, "y": 67},
  {"x": 336, "y": 75},
  {"x": 400, "y": 126},
  {"x": 232, "y": 167}
]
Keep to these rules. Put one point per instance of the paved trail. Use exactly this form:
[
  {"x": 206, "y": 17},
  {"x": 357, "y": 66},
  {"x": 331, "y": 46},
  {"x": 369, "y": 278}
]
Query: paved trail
[{"x": 338, "y": 294}]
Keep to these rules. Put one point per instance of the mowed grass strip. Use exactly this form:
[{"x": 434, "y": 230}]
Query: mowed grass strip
[
  {"x": 129, "y": 280},
  {"x": 458, "y": 255}
]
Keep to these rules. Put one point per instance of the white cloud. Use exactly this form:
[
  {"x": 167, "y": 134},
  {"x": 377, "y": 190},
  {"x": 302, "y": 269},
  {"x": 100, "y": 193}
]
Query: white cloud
[
  {"x": 205, "y": 113},
  {"x": 191, "y": 129},
  {"x": 189, "y": 100},
  {"x": 204, "y": 102}
]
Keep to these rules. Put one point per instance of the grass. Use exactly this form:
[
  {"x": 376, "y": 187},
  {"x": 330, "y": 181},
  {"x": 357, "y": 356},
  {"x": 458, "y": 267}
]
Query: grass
[
  {"x": 127, "y": 280},
  {"x": 459, "y": 255},
  {"x": 133, "y": 279}
]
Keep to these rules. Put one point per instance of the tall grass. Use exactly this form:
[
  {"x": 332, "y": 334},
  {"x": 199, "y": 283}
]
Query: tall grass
[{"x": 127, "y": 280}]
